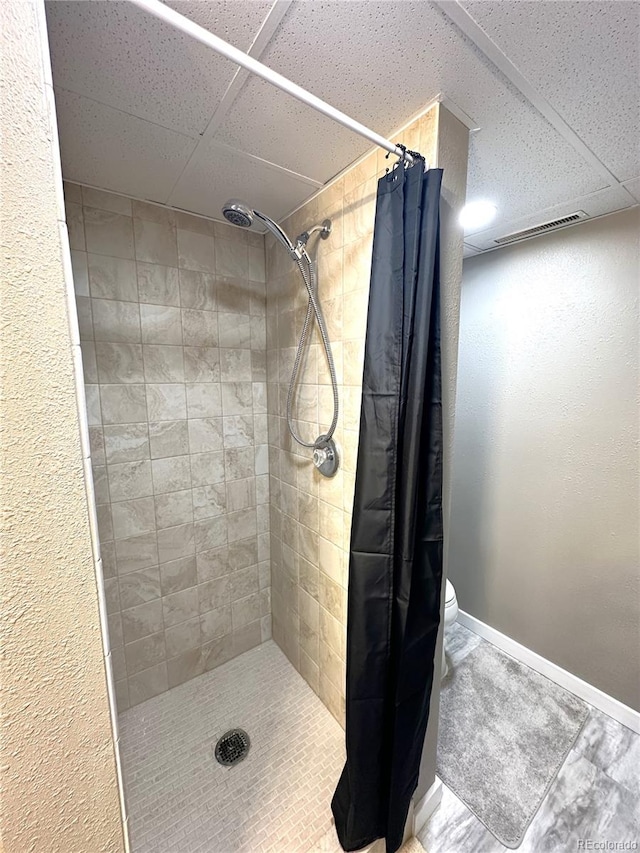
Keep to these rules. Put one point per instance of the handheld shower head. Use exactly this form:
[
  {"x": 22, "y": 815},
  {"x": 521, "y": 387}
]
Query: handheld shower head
[{"x": 238, "y": 213}]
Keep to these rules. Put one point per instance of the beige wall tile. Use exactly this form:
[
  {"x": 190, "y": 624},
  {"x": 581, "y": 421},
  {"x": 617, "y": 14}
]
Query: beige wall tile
[
  {"x": 160, "y": 324},
  {"x": 241, "y": 524},
  {"x": 138, "y": 552},
  {"x": 112, "y": 278},
  {"x": 180, "y": 606},
  {"x": 215, "y": 623},
  {"x": 171, "y": 474},
  {"x": 132, "y": 518},
  {"x": 237, "y": 397},
  {"x": 75, "y": 226},
  {"x": 232, "y": 259},
  {"x": 201, "y": 364},
  {"x": 197, "y": 290},
  {"x": 183, "y": 637},
  {"x": 130, "y": 480},
  {"x": 142, "y": 620},
  {"x": 158, "y": 285},
  {"x": 119, "y": 362},
  {"x": 178, "y": 575},
  {"x": 155, "y": 242},
  {"x": 199, "y": 328},
  {"x": 205, "y": 435},
  {"x": 195, "y": 251},
  {"x": 203, "y": 400},
  {"x": 213, "y": 563},
  {"x": 168, "y": 438},
  {"x": 146, "y": 684},
  {"x": 238, "y": 431},
  {"x": 247, "y": 637},
  {"x": 173, "y": 509},
  {"x": 153, "y": 212},
  {"x": 106, "y": 201},
  {"x": 72, "y": 192},
  {"x": 207, "y": 468},
  {"x": 144, "y": 653},
  {"x": 116, "y": 321},
  {"x": 163, "y": 363},
  {"x": 209, "y": 501},
  {"x": 210, "y": 533},
  {"x": 235, "y": 331},
  {"x": 126, "y": 442},
  {"x": 243, "y": 582},
  {"x": 139, "y": 587},
  {"x": 122, "y": 404},
  {"x": 166, "y": 402},
  {"x": 108, "y": 233},
  {"x": 176, "y": 542}
]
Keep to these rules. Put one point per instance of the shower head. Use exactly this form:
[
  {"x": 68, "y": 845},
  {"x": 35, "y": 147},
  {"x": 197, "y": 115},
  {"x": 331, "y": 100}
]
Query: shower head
[{"x": 238, "y": 213}]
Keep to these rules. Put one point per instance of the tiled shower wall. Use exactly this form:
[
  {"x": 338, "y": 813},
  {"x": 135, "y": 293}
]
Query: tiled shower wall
[
  {"x": 311, "y": 515},
  {"x": 172, "y": 325}
]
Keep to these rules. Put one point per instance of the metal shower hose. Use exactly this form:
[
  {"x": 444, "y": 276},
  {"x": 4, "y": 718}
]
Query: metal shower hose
[{"x": 313, "y": 309}]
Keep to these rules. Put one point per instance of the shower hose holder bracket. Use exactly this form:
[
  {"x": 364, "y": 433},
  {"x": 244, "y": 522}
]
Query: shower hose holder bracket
[{"x": 325, "y": 456}]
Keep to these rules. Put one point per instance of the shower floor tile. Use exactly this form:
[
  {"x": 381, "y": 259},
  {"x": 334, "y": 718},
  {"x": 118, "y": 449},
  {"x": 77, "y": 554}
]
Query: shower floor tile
[{"x": 180, "y": 800}]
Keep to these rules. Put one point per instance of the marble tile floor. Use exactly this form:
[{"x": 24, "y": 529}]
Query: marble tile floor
[
  {"x": 595, "y": 797},
  {"x": 277, "y": 800}
]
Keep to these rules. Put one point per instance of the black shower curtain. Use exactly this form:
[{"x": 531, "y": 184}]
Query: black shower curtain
[{"x": 395, "y": 568}]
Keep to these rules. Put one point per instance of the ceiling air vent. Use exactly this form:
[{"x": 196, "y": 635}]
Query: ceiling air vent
[{"x": 552, "y": 225}]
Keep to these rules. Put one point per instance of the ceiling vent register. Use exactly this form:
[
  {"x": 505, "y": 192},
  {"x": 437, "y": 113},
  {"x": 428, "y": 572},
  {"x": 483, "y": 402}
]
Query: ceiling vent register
[{"x": 552, "y": 225}]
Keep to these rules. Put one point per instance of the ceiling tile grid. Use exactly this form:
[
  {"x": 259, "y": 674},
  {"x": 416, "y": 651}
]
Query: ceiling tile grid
[
  {"x": 135, "y": 97},
  {"x": 584, "y": 58},
  {"x": 236, "y": 175},
  {"x": 109, "y": 149},
  {"x": 116, "y": 53}
]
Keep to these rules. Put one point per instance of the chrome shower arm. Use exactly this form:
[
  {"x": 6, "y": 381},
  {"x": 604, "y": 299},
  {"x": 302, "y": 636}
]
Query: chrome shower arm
[{"x": 324, "y": 229}]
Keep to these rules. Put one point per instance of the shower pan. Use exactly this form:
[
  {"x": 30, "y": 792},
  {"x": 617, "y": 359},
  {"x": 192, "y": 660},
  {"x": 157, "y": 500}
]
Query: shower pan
[{"x": 325, "y": 451}]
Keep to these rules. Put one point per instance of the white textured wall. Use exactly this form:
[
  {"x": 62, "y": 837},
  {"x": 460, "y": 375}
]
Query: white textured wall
[
  {"x": 59, "y": 789},
  {"x": 545, "y": 536}
]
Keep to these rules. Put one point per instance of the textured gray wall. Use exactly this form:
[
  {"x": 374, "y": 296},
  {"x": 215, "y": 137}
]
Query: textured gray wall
[{"x": 545, "y": 535}]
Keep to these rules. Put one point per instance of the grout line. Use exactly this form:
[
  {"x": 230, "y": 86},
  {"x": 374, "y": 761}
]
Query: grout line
[{"x": 269, "y": 26}]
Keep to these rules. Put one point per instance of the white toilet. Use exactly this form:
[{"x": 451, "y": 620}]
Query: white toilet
[{"x": 450, "y": 616}]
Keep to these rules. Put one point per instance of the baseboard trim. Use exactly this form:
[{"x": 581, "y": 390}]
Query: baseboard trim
[
  {"x": 426, "y": 806},
  {"x": 600, "y": 700}
]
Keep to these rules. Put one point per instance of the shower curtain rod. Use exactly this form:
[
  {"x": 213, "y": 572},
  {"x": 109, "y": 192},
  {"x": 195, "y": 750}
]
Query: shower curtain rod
[{"x": 180, "y": 22}]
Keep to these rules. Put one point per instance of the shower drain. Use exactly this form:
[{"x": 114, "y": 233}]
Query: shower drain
[{"x": 232, "y": 747}]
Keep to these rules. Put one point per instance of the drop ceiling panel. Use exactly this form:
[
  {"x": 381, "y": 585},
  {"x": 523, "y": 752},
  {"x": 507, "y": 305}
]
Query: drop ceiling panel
[
  {"x": 144, "y": 94},
  {"x": 633, "y": 187},
  {"x": 389, "y": 60},
  {"x": 597, "y": 204},
  {"x": 584, "y": 57},
  {"x": 107, "y": 148},
  {"x": 119, "y": 55},
  {"x": 216, "y": 174},
  {"x": 271, "y": 124},
  {"x": 519, "y": 169}
]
